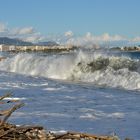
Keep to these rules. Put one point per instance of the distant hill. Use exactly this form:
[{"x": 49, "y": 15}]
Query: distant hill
[
  {"x": 18, "y": 42},
  {"x": 48, "y": 43},
  {"x": 11, "y": 41}
]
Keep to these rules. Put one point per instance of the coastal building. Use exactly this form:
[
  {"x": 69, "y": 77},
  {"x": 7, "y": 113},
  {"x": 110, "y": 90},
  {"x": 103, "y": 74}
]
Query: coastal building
[
  {"x": 1, "y": 47},
  {"x": 12, "y": 48},
  {"x": 4, "y": 47},
  {"x": 35, "y": 48}
]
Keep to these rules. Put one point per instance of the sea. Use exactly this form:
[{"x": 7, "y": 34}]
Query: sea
[{"x": 85, "y": 90}]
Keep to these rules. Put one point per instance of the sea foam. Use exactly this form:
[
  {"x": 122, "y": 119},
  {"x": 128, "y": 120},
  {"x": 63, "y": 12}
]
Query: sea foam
[{"x": 96, "y": 68}]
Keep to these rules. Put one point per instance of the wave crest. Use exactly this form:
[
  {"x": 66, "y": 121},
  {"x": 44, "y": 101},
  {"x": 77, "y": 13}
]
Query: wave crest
[{"x": 97, "y": 68}]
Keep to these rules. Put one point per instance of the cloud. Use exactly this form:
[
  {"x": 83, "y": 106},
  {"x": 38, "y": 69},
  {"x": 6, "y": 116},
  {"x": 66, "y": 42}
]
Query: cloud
[
  {"x": 33, "y": 38},
  {"x": 103, "y": 37},
  {"x": 136, "y": 39},
  {"x": 107, "y": 37},
  {"x": 3, "y": 28},
  {"x": 88, "y": 39},
  {"x": 69, "y": 34},
  {"x": 24, "y": 31}
]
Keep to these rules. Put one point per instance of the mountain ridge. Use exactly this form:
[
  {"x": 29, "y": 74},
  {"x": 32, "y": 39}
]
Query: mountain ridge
[{"x": 19, "y": 42}]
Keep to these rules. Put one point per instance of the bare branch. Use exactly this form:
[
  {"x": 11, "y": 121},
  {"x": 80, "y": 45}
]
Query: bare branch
[
  {"x": 10, "y": 112},
  {"x": 6, "y": 95}
]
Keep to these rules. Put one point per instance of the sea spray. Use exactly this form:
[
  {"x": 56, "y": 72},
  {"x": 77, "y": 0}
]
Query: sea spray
[{"x": 97, "y": 68}]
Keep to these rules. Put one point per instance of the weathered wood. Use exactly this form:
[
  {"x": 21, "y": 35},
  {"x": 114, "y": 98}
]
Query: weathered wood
[
  {"x": 24, "y": 129},
  {"x": 17, "y": 106},
  {"x": 4, "y": 112},
  {"x": 59, "y": 136},
  {"x": 12, "y": 132},
  {"x": 9, "y": 101},
  {"x": 2, "y": 58},
  {"x": 6, "y": 132},
  {"x": 84, "y": 136},
  {"x": 5, "y": 96},
  {"x": 89, "y": 135}
]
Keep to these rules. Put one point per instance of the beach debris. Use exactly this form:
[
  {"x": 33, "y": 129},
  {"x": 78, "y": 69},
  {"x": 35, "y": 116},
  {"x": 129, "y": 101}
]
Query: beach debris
[
  {"x": 80, "y": 136},
  {"x": 2, "y": 58},
  {"x": 26, "y": 132}
]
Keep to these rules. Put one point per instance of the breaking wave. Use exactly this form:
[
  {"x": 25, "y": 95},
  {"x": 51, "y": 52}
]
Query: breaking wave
[{"x": 97, "y": 68}]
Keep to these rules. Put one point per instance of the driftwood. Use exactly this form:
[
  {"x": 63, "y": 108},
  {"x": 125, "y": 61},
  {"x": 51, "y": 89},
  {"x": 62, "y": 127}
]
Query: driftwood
[
  {"x": 12, "y": 132},
  {"x": 2, "y": 58},
  {"x": 10, "y": 111},
  {"x": 9, "y": 132},
  {"x": 7, "y": 113},
  {"x": 82, "y": 136},
  {"x": 4, "y": 96}
]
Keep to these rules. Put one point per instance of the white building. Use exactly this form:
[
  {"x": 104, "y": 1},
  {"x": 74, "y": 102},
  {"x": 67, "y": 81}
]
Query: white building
[
  {"x": 4, "y": 47},
  {"x": 12, "y": 48},
  {"x": 1, "y": 47}
]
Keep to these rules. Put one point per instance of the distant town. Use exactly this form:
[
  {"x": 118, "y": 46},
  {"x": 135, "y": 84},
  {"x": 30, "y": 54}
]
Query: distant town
[
  {"x": 13, "y": 48},
  {"x": 16, "y": 45},
  {"x": 127, "y": 48}
]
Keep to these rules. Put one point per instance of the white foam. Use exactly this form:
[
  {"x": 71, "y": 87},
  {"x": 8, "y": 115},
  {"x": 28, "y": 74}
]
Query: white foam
[
  {"x": 55, "y": 114},
  {"x": 98, "y": 114},
  {"x": 52, "y": 89},
  {"x": 9, "y": 85},
  {"x": 14, "y": 98},
  {"x": 35, "y": 85},
  {"x": 59, "y": 132},
  {"x": 118, "y": 115},
  {"x": 51, "y": 67},
  {"x": 70, "y": 97},
  {"x": 88, "y": 116},
  {"x": 78, "y": 66}
]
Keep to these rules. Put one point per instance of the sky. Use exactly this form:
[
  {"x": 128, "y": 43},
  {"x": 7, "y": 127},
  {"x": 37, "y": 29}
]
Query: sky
[{"x": 51, "y": 19}]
